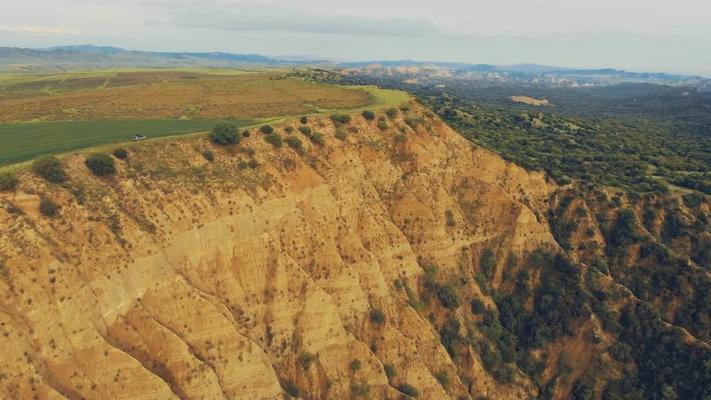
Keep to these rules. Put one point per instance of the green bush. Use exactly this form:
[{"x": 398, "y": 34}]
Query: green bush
[
  {"x": 100, "y": 164},
  {"x": 341, "y": 134},
  {"x": 391, "y": 112},
  {"x": 341, "y": 118},
  {"x": 305, "y": 130},
  {"x": 355, "y": 366},
  {"x": 382, "y": 124},
  {"x": 49, "y": 168},
  {"x": 207, "y": 154},
  {"x": 224, "y": 133},
  {"x": 120, "y": 153},
  {"x": 304, "y": 120},
  {"x": 369, "y": 115},
  {"x": 389, "y": 371},
  {"x": 8, "y": 182},
  {"x": 274, "y": 139},
  {"x": 487, "y": 263},
  {"x": 377, "y": 316},
  {"x": 306, "y": 359},
  {"x": 318, "y": 139},
  {"x": 48, "y": 207},
  {"x": 246, "y": 133},
  {"x": 408, "y": 390},
  {"x": 443, "y": 379},
  {"x": 266, "y": 129},
  {"x": 295, "y": 143}
]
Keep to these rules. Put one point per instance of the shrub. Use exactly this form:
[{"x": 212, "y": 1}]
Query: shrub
[
  {"x": 49, "y": 168},
  {"x": 289, "y": 129},
  {"x": 477, "y": 306},
  {"x": 266, "y": 129},
  {"x": 369, "y": 115},
  {"x": 377, "y": 316},
  {"x": 306, "y": 359},
  {"x": 391, "y": 112},
  {"x": 246, "y": 133},
  {"x": 361, "y": 389},
  {"x": 341, "y": 133},
  {"x": 291, "y": 388},
  {"x": 48, "y": 207},
  {"x": 389, "y": 371},
  {"x": 8, "y": 182},
  {"x": 207, "y": 154},
  {"x": 305, "y": 130},
  {"x": 408, "y": 390},
  {"x": 304, "y": 120},
  {"x": 413, "y": 122},
  {"x": 100, "y": 164},
  {"x": 341, "y": 118},
  {"x": 224, "y": 133},
  {"x": 318, "y": 139},
  {"x": 443, "y": 379},
  {"x": 355, "y": 366},
  {"x": 121, "y": 153},
  {"x": 487, "y": 263},
  {"x": 274, "y": 139},
  {"x": 382, "y": 124},
  {"x": 295, "y": 143}
]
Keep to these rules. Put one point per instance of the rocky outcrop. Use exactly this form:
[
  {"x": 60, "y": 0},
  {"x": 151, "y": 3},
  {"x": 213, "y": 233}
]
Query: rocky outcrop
[{"x": 263, "y": 273}]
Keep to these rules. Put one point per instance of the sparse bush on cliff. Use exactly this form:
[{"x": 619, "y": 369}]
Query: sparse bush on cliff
[
  {"x": 306, "y": 359},
  {"x": 341, "y": 133},
  {"x": 377, "y": 316},
  {"x": 305, "y": 130},
  {"x": 382, "y": 124},
  {"x": 318, "y": 139},
  {"x": 369, "y": 115},
  {"x": 355, "y": 366},
  {"x": 8, "y": 182},
  {"x": 120, "y": 153},
  {"x": 295, "y": 143},
  {"x": 49, "y": 168},
  {"x": 48, "y": 207},
  {"x": 224, "y": 133},
  {"x": 208, "y": 155},
  {"x": 341, "y": 118},
  {"x": 408, "y": 390},
  {"x": 100, "y": 164},
  {"x": 274, "y": 139}
]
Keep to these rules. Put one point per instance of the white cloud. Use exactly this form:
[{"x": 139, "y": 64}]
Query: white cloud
[{"x": 41, "y": 30}]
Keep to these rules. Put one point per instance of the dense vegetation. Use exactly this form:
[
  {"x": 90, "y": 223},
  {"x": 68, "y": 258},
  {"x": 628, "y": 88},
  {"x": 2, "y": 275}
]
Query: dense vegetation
[{"x": 639, "y": 137}]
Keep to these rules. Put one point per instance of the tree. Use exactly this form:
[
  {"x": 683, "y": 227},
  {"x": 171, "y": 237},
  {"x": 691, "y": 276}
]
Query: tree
[
  {"x": 266, "y": 129},
  {"x": 274, "y": 139},
  {"x": 224, "y": 133},
  {"x": 295, "y": 143},
  {"x": 100, "y": 164},
  {"x": 49, "y": 168},
  {"x": 8, "y": 182},
  {"x": 341, "y": 118},
  {"x": 369, "y": 115},
  {"x": 48, "y": 208},
  {"x": 121, "y": 153}
]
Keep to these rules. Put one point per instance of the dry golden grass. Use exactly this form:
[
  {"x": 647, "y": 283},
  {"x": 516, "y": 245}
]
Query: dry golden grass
[{"x": 167, "y": 95}]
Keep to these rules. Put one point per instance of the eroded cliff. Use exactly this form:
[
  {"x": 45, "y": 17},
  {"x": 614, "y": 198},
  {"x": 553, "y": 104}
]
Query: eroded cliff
[{"x": 265, "y": 272}]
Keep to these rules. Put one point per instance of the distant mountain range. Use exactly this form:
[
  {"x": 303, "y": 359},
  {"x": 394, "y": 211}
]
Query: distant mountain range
[{"x": 90, "y": 57}]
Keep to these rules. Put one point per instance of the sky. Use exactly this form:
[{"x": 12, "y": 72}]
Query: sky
[{"x": 637, "y": 35}]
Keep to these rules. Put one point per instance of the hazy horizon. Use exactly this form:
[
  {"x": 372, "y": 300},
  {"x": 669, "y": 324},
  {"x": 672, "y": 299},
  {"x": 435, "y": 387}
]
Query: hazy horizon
[{"x": 634, "y": 35}]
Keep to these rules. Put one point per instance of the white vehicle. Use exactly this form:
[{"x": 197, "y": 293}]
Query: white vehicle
[{"x": 138, "y": 137}]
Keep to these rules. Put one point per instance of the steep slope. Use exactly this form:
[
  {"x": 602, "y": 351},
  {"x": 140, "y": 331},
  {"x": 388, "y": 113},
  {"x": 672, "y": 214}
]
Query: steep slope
[
  {"x": 182, "y": 278},
  {"x": 368, "y": 258}
]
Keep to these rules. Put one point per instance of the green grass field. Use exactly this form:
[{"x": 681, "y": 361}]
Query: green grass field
[
  {"x": 22, "y": 141},
  {"x": 56, "y": 113}
]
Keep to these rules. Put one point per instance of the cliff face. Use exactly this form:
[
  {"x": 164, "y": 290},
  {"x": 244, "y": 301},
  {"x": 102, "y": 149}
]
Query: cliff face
[{"x": 264, "y": 272}]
